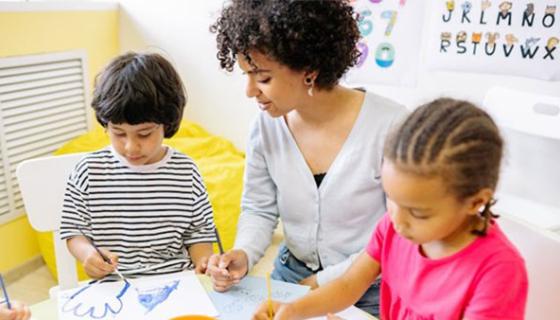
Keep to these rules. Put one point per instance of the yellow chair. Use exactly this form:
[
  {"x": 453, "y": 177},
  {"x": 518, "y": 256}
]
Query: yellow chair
[{"x": 220, "y": 164}]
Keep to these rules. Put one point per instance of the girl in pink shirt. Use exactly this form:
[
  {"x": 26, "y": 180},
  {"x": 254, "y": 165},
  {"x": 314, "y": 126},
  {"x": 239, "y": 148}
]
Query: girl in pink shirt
[{"x": 439, "y": 249}]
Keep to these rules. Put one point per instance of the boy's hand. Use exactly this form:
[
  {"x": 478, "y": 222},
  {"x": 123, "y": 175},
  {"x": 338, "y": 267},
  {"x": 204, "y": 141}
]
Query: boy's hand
[
  {"x": 19, "y": 311},
  {"x": 199, "y": 253},
  {"x": 96, "y": 267},
  {"x": 227, "y": 269},
  {"x": 280, "y": 311},
  {"x": 200, "y": 268}
]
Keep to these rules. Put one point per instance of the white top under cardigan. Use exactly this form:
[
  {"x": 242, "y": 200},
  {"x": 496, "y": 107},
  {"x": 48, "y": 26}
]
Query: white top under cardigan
[{"x": 329, "y": 225}]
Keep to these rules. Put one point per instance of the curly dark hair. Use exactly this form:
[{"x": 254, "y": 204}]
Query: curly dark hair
[
  {"x": 139, "y": 87},
  {"x": 305, "y": 35}
]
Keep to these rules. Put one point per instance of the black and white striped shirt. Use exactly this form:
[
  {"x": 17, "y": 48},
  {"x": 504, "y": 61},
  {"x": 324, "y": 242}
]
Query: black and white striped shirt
[{"x": 147, "y": 215}]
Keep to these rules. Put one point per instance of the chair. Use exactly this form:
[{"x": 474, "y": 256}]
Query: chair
[
  {"x": 528, "y": 191},
  {"x": 42, "y": 184},
  {"x": 540, "y": 248}
]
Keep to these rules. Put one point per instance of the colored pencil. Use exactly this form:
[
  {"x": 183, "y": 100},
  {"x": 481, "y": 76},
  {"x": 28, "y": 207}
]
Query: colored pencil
[
  {"x": 219, "y": 241},
  {"x": 5, "y": 292},
  {"x": 269, "y": 287}
]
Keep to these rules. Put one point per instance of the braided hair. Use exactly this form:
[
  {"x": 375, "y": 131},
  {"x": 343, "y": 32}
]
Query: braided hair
[{"x": 455, "y": 140}]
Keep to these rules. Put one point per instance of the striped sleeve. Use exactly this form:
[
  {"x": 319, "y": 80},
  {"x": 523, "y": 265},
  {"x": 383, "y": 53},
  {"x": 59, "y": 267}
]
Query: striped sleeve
[
  {"x": 202, "y": 228},
  {"x": 75, "y": 213}
]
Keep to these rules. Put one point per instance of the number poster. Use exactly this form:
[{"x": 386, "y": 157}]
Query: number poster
[{"x": 390, "y": 43}]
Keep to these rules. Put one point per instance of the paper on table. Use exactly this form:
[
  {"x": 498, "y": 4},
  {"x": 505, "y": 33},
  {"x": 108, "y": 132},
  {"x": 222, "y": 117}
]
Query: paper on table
[
  {"x": 241, "y": 301},
  {"x": 351, "y": 313},
  {"x": 158, "y": 297}
]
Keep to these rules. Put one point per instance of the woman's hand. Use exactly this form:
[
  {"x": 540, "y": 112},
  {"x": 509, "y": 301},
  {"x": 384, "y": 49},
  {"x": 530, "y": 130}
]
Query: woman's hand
[{"x": 227, "y": 269}]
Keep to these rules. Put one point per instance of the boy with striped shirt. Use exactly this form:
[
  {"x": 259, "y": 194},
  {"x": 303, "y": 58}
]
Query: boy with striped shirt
[{"x": 143, "y": 204}]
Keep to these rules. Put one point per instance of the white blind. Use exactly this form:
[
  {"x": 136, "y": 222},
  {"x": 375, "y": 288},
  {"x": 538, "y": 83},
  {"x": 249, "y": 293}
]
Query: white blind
[{"x": 43, "y": 104}]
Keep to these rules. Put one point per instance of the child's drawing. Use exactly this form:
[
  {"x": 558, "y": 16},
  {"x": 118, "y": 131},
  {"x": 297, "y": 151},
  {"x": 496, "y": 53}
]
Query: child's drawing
[
  {"x": 152, "y": 297},
  {"x": 241, "y": 300},
  {"x": 250, "y": 297},
  {"x": 82, "y": 303}
]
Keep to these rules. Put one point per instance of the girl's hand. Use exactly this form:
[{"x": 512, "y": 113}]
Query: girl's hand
[
  {"x": 310, "y": 281},
  {"x": 280, "y": 311},
  {"x": 331, "y": 316},
  {"x": 19, "y": 311},
  {"x": 96, "y": 267}
]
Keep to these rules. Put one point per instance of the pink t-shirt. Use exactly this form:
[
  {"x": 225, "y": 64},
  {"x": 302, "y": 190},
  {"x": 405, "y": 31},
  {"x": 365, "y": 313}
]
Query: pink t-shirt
[{"x": 485, "y": 280}]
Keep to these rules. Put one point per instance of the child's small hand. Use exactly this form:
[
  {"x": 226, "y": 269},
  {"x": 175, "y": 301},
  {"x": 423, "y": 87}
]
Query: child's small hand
[
  {"x": 331, "y": 316},
  {"x": 280, "y": 311},
  {"x": 19, "y": 311},
  {"x": 310, "y": 281},
  {"x": 202, "y": 265},
  {"x": 96, "y": 267}
]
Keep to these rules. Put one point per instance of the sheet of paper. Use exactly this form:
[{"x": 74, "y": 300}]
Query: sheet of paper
[
  {"x": 158, "y": 297},
  {"x": 241, "y": 301},
  {"x": 351, "y": 313}
]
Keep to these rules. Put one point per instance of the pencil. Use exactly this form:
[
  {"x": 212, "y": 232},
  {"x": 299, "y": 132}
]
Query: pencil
[
  {"x": 269, "y": 286},
  {"x": 5, "y": 292},
  {"x": 219, "y": 241}
]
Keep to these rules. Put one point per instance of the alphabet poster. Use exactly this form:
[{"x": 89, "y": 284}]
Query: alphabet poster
[
  {"x": 390, "y": 43},
  {"x": 518, "y": 37}
]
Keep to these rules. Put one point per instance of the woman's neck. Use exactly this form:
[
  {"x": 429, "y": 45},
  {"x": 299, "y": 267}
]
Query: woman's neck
[{"x": 327, "y": 105}]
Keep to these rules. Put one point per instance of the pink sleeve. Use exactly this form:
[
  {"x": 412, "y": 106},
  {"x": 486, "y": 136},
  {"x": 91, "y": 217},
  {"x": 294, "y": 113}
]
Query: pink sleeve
[
  {"x": 375, "y": 245},
  {"x": 501, "y": 293}
]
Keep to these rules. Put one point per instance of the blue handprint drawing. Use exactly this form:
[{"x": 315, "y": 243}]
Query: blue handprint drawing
[{"x": 84, "y": 302}]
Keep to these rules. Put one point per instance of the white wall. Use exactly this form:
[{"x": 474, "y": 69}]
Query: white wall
[
  {"x": 180, "y": 28},
  {"x": 217, "y": 99}
]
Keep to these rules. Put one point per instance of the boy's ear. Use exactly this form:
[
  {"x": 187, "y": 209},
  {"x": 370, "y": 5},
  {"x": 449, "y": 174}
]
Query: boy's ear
[{"x": 476, "y": 202}]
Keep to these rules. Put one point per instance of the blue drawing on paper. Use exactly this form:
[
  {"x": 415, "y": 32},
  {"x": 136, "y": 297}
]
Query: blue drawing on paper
[
  {"x": 82, "y": 304},
  {"x": 241, "y": 300},
  {"x": 151, "y": 298}
]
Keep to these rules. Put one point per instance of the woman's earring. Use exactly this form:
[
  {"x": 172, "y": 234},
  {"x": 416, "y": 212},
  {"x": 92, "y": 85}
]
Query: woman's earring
[{"x": 309, "y": 82}]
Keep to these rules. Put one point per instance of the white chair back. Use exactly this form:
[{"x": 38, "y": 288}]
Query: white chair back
[
  {"x": 528, "y": 189},
  {"x": 43, "y": 183}
]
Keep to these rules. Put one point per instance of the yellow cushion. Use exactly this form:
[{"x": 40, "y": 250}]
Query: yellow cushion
[{"x": 220, "y": 164}]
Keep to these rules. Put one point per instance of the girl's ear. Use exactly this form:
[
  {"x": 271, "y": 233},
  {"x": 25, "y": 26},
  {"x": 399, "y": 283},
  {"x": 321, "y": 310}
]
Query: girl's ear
[{"x": 475, "y": 203}]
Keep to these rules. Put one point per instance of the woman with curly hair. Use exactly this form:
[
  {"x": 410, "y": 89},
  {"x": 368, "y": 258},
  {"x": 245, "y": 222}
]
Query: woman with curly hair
[{"x": 314, "y": 155}]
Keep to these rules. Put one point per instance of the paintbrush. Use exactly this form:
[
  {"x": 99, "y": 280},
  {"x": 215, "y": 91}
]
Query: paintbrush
[{"x": 104, "y": 257}]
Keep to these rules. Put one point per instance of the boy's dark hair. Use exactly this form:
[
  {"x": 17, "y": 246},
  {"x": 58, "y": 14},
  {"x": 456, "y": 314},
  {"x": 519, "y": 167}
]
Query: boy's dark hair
[
  {"x": 319, "y": 35},
  {"x": 139, "y": 87},
  {"x": 452, "y": 139}
]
